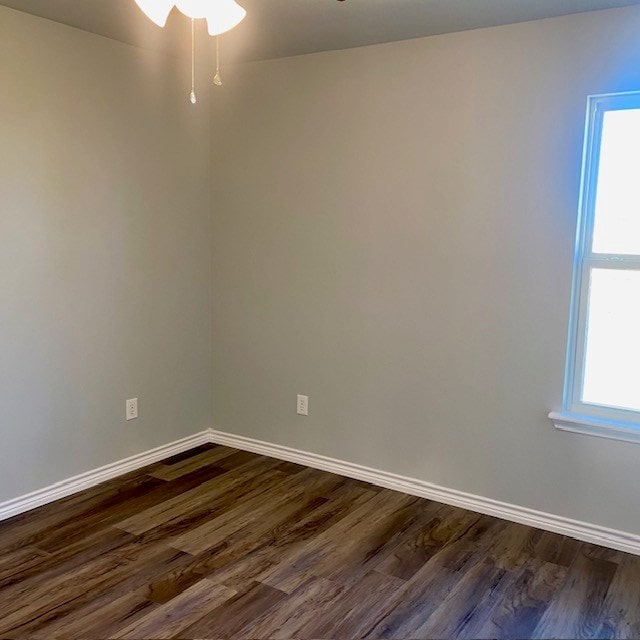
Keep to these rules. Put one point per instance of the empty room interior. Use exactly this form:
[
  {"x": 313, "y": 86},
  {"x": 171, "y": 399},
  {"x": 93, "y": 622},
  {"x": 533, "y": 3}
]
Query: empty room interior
[{"x": 319, "y": 319}]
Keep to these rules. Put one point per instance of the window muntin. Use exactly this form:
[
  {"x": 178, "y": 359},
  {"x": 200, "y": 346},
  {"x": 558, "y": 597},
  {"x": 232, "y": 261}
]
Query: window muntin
[{"x": 603, "y": 362}]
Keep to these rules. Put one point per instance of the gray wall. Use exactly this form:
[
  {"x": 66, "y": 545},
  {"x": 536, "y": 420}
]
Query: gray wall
[
  {"x": 104, "y": 254},
  {"x": 392, "y": 235}
]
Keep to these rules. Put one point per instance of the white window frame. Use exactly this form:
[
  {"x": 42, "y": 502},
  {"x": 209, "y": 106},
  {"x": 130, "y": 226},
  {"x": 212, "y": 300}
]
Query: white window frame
[{"x": 576, "y": 415}]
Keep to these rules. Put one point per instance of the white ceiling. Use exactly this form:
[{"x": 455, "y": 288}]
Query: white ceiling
[{"x": 277, "y": 28}]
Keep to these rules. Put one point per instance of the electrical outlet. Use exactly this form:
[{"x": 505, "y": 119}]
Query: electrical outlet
[
  {"x": 132, "y": 409},
  {"x": 303, "y": 405}
]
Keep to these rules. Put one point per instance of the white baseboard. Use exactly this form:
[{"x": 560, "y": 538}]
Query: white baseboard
[
  {"x": 89, "y": 479},
  {"x": 584, "y": 531}
]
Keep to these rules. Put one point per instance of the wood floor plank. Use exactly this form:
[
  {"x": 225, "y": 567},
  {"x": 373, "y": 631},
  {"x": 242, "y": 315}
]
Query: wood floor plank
[
  {"x": 221, "y": 543},
  {"x": 464, "y": 535},
  {"x": 325, "y": 553},
  {"x": 578, "y": 609},
  {"x": 621, "y": 610},
  {"x": 180, "y": 457},
  {"x": 556, "y": 549},
  {"x": 240, "y": 458},
  {"x": 379, "y": 542},
  {"x": 290, "y": 467},
  {"x": 297, "y": 612},
  {"x": 249, "y": 557},
  {"x": 78, "y": 552},
  {"x": 207, "y": 458},
  {"x": 515, "y": 610},
  {"x": 462, "y": 602},
  {"x": 19, "y": 532},
  {"x": 473, "y": 544},
  {"x": 513, "y": 545},
  {"x": 213, "y": 494},
  {"x": 239, "y": 612},
  {"x": 100, "y": 617},
  {"x": 100, "y": 518},
  {"x": 413, "y": 553},
  {"x": 210, "y": 563},
  {"x": 413, "y": 604},
  {"x": 287, "y": 491},
  {"x": 71, "y": 506},
  {"x": 349, "y": 617},
  {"x": 23, "y": 610},
  {"x": 12, "y": 564},
  {"x": 175, "y": 616}
]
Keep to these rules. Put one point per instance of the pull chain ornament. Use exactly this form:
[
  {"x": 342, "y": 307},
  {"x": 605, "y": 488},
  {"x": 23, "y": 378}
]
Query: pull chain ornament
[
  {"x": 193, "y": 97},
  {"x": 217, "y": 79}
]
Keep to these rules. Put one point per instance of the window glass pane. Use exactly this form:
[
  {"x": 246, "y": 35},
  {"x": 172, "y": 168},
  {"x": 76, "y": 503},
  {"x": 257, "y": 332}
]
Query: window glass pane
[
  {"x": 612, "y": 359},
  {"x": 617, "y": 211}
]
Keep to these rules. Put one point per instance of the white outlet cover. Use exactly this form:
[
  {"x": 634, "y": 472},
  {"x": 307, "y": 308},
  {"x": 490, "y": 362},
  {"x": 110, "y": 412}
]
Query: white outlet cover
[
  {"x": 132, "y": 409},
  {"x": 303, "y": 405}
]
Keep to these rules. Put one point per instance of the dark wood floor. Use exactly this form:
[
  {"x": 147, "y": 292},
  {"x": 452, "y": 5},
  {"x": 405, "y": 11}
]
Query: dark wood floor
[{"x": 218, "y": 543}]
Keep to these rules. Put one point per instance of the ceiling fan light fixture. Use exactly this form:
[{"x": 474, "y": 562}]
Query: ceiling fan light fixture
[
  {"x": 156, "y": 10},
  {"x": 195, "y": 9},
  {"x": 223, "y": 15}
]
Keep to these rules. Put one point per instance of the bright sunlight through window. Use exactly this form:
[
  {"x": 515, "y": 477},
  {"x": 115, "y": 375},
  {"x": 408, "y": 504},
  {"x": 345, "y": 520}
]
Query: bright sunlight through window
[{"x": 602, "y": 386}]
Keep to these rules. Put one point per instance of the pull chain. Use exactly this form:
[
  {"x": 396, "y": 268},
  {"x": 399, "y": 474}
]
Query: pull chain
[
  {"x": 193, "y": 62},
  {"x": 217, "y": 80}
]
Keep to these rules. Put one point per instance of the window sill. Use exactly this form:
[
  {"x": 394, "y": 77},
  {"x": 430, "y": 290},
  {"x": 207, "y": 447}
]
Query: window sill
[{"x": 599, "y": 427}]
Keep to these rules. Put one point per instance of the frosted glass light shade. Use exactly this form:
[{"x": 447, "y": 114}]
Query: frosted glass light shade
[
  {"x": 156, "y": 10},
  {"x": 194, "y": 8},
  {"x": 221, "y": 15}
]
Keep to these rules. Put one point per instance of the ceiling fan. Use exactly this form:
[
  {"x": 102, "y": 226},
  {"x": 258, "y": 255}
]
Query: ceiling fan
[{"x": 221, "y": 16}]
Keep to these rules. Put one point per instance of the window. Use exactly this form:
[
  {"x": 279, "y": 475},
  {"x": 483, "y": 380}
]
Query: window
[{"x": 602, "y": 378}]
